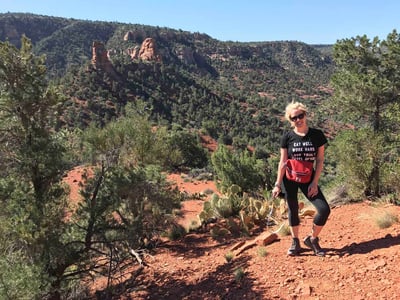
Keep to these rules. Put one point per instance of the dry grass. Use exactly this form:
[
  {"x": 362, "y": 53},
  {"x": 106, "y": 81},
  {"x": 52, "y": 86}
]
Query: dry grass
[
  {"x": 262, "y": 251},
  {"x": 229, "y": 256},
  {"x": 382, "y": 217},
  {"x": 385, "y": 219}
]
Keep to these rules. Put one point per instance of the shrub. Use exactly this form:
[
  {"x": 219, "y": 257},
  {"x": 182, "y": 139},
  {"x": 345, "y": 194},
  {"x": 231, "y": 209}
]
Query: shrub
[
  {"x": 229, "y": 256},
  {"x": 241, "y": 169},
  {"x": 262, "y": 251},
  {"x": 217, "y": 232},
  {"x": 239, "y": 274},
  {"x": 284, "y": 230},
  {"x": 176, "y": 232},
  {"x": 385, "y": 220}
]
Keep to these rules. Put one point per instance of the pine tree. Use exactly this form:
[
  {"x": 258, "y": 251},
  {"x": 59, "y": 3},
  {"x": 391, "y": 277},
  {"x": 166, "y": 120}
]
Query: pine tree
[
  {"x": 32, "y": 165},
  {"x": 366, "y": 89}
]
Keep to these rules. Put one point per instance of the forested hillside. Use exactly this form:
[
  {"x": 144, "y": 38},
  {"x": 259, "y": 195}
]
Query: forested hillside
[{"x": 233, "y": 91}]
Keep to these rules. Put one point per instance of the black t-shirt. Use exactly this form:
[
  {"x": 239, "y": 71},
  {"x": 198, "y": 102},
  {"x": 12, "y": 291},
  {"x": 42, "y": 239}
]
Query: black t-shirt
[{"x": 303, "y": 147}]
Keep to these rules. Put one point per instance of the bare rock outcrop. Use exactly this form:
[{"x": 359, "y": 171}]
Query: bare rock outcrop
[
  {"x": 100, "y": 58},
  {"x": 128, "y": 36},
  {"x": 133, "y": 52},
  {"x": 147, "y": 52}
]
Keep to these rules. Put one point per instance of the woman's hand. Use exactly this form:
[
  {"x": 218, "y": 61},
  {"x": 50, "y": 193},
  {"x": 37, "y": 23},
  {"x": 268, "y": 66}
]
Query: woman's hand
[
  {"x": 276, "y": 191},
  {"x": 312, "y": 189}
]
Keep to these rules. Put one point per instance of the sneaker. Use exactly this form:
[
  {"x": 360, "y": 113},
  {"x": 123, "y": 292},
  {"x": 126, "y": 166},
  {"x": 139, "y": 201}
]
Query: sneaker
[
  {"x": 294, "y": 248},
  {"x": 314, "y": 245}
]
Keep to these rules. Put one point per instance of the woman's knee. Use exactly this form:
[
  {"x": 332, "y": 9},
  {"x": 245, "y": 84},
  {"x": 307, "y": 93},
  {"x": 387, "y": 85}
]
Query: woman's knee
[
  {"x": 323, "y": 213},
  {"x": 324, "y": 210}
]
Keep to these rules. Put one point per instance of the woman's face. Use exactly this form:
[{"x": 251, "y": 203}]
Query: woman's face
[{"x": 298, "y": 118}]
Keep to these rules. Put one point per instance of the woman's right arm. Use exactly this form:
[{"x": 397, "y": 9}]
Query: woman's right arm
[{"x": 281, "y": 172}]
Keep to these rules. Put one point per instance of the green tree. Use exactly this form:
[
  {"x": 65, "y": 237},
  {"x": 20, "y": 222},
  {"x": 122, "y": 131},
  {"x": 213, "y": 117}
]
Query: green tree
[
  {"x": 124, "y": 201},
  {"x": 132, "y": 138},
  {"x": 184, "y": 150},
  {"x": 127, "y": 200},
  {"x": 242, "y": 169},
  {"x": 32, "y": 165},
  {"x": 366, "y": 87},
  {"x": 356, "y": 151}
]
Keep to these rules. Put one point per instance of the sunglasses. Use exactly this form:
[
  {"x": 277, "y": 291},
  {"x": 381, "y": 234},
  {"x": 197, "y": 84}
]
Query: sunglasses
[{"x": 298, "y": 117}]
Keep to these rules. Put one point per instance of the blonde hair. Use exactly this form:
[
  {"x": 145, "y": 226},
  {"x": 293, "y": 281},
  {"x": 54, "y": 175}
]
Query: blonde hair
[{"x": 294, "y": 105}]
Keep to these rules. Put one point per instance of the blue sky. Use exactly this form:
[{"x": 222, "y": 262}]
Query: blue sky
[{"x": 309, "y": 21}]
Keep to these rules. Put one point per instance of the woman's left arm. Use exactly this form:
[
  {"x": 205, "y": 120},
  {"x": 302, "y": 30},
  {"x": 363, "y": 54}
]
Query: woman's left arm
[{"x": 319, "y": 165}]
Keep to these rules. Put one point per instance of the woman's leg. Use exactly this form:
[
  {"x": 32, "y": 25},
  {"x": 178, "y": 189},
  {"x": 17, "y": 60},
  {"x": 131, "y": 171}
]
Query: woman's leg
[
  {"x": 323, "y": 212},
  {"x": 322, "y": 207},
  {"x": 316, "y": 230},
  {"x": 293, "y": 215},
  {"x": 291, "y": 189},
  {"x": 294, "y": 230}
]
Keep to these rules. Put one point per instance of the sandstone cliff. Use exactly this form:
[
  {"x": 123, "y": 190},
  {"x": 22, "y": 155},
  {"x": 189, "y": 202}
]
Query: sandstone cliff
[{"x": 147, "y": 52}]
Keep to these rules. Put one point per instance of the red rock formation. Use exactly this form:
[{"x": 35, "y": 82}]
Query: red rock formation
[
  {"x": 128, "y": 36},
  {"x": 133, "y": 52},
  {"x": 147, "y": 52},
  {"x": 100, "y": 58}
]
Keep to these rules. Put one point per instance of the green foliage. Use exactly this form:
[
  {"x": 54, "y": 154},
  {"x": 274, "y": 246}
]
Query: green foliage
[
  {"x": 242, "y": 169},
  {"x": 130, "y": 140},
  {"x": 175, "y": 232},
  {"x": 121, "y": 209},
  {"x": 366, "y": 91},
  {"x": 235, "y": 204},
  {"x": 125, "y": 200},
  {"x": 254, "y": 212},
  {"x": 133, "y": 140},
  {"x": 28, "y": 107},
  {"x": 130, "y": 179},
  {"x": 392, "y": 180},
  {"x": 239, "y": 274},
  {"x": 223, "y": 206},
  {"x": 235, "y": 91},
  {"x": 355, "y": 151},
  {"x": 257, "y": 209},
  {"x": 18, "y": 279},
  {"x": 366, "y": 79},
  {"x": 229, "y": 256},
  {"x": 32, "y": 196},
  {"x": 184, "y": 150}
]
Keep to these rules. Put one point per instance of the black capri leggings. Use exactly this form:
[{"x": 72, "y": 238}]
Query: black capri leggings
[{"x": 319, "y": 202}]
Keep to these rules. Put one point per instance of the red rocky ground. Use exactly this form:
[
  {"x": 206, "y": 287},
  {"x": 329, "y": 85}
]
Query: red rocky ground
[{"x": 362, "y": 261}]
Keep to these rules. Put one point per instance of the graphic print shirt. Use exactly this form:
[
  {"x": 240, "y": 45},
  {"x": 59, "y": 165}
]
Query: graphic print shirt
[{"x": 303, "y": 147}]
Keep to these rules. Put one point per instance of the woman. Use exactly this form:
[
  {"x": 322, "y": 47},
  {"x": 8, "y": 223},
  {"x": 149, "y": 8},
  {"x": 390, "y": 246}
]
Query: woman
[{"x": 303, "y": 144}]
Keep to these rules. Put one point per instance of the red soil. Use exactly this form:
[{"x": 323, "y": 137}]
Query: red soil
[{"x": 362, "y": 260}]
